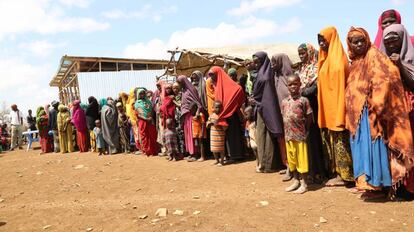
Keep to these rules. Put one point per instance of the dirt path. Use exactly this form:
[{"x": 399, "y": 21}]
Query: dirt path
[{"x": 77, "y": 192}]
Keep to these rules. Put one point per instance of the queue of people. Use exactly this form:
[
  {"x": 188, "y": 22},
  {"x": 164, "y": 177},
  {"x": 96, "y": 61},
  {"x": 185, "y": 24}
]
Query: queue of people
[{"x": 340, "y": 118}]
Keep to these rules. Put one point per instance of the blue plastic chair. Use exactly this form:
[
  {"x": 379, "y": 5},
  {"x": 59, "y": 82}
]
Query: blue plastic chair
[{"x": 29, "y": 135}]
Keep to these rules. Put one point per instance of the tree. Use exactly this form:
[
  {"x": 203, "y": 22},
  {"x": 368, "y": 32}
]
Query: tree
[{"x": 4, "y": 113}]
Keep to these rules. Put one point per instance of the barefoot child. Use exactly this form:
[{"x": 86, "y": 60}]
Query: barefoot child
[
  {"x": 217, "y": 135},
  {"x": 297, "y": 116},
  {"x": 250, "y": 133},
  {"x": 100, "y": 142},
  {"x": 199, "y": 130},
  {"x": 170, "y": 140}
]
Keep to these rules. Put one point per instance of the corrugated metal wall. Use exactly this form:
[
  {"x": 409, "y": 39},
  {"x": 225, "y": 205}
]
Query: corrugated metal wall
[{"x": 110, "y": 84}]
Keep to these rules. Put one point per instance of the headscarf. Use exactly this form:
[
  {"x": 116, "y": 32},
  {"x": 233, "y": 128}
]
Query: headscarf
[
  {"x": 375, "y": 81},
  {"x": 130, "y": 109},
  {"x": 143, "y": 104},
  {"x": 308, "y": 72},
  {"x": 78, "y": 117},
  {"x": 265, "y": 96},
  {"x": 40, "y": 113},
  {"x": 231, "y": 72},
  {"x": 84, "y": 106},
  {"x": 201, "y": 88},
  {"x": 103, "y": 102},
  {"x": 210, "y": 96},
  {"x": 229, "y": 93},
  {"x": 332, "y": 74},
  {"x": 282, "y": 66},
  {"x": 109, "y": 120},
  {"x": 167, "y": 108},
  {"x": 157, "y": 94},
  {"x": 92, "y": 112},
  {"x": 407, "y": 50},
  {"x": 189, "y": 95},
  {"x": 124, "y": 98}
]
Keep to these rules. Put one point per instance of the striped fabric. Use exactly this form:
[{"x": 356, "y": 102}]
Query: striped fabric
[{"x": 217, "y": 139}]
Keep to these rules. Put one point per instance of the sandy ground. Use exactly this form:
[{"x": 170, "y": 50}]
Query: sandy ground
[{"x": 84, "y": 192}]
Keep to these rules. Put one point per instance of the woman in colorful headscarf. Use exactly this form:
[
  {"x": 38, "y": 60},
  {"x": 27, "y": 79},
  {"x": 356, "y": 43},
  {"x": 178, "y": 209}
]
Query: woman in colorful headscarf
[
  {"x": 377, "y": 117},
  {"x": 92, "y": 114},
  {"x": 65, "y": 129},
  {"x": 189, "y": 95},
  {"x": 167, "y": 108},
  {"x": 232, "y": 97},
  {"x": 386, "y": 19},
  {"x": 46, "y": 141},
  {"x": 110, "y": 129},
  {"x": 130, "y": 112},
  {"x": 400, "y": 50},
  {"x": 158, "y": 115},
  {"x": 79, "y": 121},
  {"x": 147, "y": 130},
  {"x": 308, "y": 73},
  {"x": 210, "y": 96},
  {"x": 269, "y": 119},
  {"x": 332, "y": 74},
  {"x": 197, "y": 79}
]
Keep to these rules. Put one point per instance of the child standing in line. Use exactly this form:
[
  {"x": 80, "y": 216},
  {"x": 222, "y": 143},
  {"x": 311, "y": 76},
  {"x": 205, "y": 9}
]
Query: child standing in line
[
  {"x": 297, "y": 118},
  {"x": 250, "y": 133},
  {"x": 100, "y": 142},
  {"x": 199, "y": 130},
  {"x": 217, "y": 135},
  {"x": 170, "y": 140}
]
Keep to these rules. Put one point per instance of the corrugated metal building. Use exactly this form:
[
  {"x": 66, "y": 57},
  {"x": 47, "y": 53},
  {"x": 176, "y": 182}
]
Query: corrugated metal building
[
  {"x": 110, "y": 84},
  {"x": 81, "y": 77}
]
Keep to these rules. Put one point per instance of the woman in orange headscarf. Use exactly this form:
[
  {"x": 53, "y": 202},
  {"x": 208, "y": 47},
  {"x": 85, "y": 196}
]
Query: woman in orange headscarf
[
  {"x": 332, "y": 74},
  {"x": 130, "y": 112},
  {"x": 376, "y": 116},
  {"x": 232, "y": 97}
]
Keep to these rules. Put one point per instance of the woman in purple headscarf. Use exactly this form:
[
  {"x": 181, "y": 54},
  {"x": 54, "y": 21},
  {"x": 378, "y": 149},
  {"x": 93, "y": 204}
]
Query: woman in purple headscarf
[
  {"x": 269, "y": 119},
  {"x": 189, "y": 95},
  {"x": 79, "y": 120},
  {"x": 399, "y": 48}
]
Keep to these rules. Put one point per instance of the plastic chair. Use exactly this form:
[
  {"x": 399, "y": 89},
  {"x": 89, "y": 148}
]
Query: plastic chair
[{"x": 29, "y": 135}]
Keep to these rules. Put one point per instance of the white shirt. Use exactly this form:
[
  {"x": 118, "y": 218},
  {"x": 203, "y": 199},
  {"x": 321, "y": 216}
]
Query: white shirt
[{"x": 16, "y": 117}]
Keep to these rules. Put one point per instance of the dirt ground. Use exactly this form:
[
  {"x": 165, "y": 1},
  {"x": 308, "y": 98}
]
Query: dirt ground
[{"x": 84, "y": 192}]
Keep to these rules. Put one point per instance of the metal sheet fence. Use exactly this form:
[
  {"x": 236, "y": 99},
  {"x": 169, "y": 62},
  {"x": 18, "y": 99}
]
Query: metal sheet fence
[{"x": 110, "y": 84}]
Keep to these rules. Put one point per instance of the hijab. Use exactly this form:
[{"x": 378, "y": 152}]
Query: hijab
[
  {"x": 265, "y": 96},
  {"x": 92, "y": 112},
  {"x": 130, "y": 110},
  {"x": 201, "y": 88},
  {"x": 189, "y": 95},
  {"x": 210, "y": 96},
  {"x": 282, "y": 66},
  {"x": 407, "y": 49},
  {"x": 167, "y": 107},
  {"x": 78, "y": 117},
  {"x": 374, "y": 81},
  {"x": 229, "y": 93},
  {"x": 332, "y": 74},
  {"x": 143, "y": 104},
  {"x": 308, "y": 72},
  {"x": 40, "y": 113}
]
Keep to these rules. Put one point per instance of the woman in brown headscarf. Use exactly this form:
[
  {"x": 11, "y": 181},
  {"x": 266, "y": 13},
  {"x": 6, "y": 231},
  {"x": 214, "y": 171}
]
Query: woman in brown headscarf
[{"x": 376, "y": 115}]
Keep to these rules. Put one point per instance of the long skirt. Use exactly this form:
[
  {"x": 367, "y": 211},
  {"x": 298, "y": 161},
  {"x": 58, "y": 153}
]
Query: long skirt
[
  {"x": 337, "y": 152},
  {"x": 46, "y": 141},
  {"x": 315, "y": 152},
  {"x": 135, "y": 131},
  {"x": 188, "y": 134},
  {"x": 148, "y": 136},
  {"x": 370, "y": 158},
  {"x": 82, "y": 139},
  {"x": 234, "y": 138},
  {"x": 66, "y": 140},
  {"x": 267, "y": 147},
  {"x": 92, "y": 140}
]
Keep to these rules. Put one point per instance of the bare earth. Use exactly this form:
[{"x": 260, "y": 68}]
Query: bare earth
[{"x": 84, "y": 192}]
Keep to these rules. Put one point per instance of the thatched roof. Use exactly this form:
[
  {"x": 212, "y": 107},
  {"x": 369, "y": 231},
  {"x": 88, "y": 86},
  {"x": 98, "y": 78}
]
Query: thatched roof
[{"x": 203, "y": 58}]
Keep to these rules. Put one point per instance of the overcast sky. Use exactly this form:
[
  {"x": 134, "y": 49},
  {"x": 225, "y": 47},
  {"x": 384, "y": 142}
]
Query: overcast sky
[{"x": 35, "y": 34}]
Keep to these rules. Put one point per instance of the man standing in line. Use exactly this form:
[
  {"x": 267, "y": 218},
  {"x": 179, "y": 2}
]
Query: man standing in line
[
  {"x": 16, "y": 127},
  {"x": 31, "y": 122},
  {"x": 53, "y": 125}
]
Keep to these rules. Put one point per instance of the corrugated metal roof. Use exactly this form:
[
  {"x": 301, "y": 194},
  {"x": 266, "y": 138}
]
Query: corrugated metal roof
[{"x": 110, "y": 84}]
